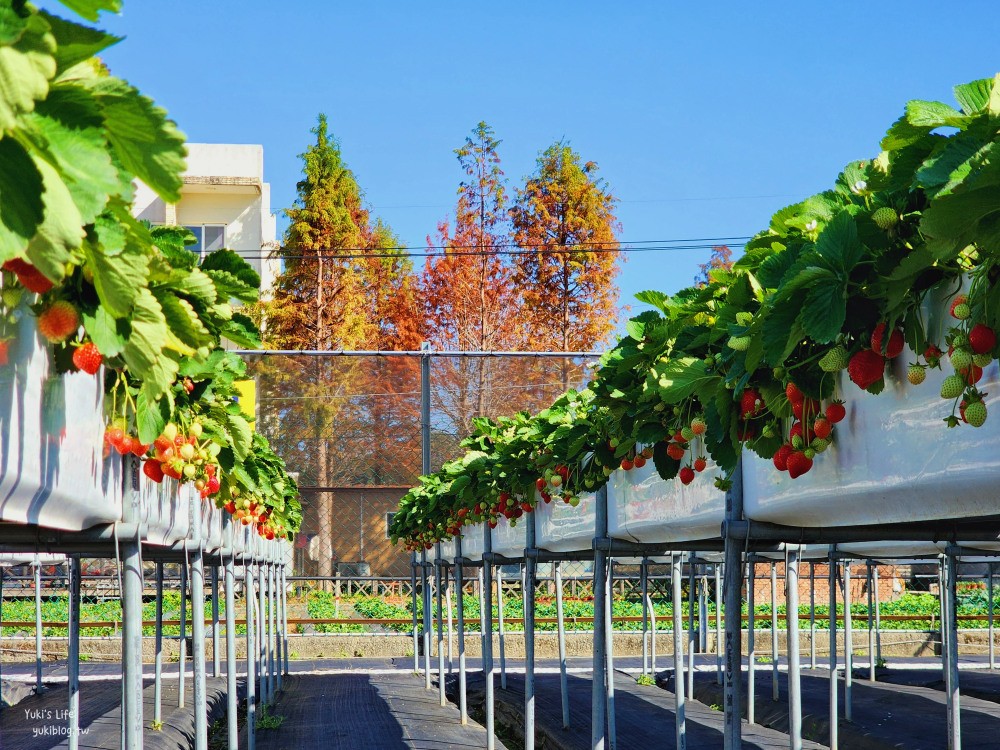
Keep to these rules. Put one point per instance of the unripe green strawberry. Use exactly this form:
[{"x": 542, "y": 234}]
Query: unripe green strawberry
[
  {"x": 797, "y": 442},
  {"x": 917, "y": 374},
  {"x": 885, "y": 218},
  {"x": 739, "y": 343},
  {"x": 687, "y": 433},
  {"x": 961, "y": 359},
  {"x": 981, "y": 360},
  {"x": 12, "y": 296},
  {"x": 819, "y": 444},
  {"x": 744, "y": 318},
  {"x": 961, "y": 311},
  {"x": 834, "y": 360},
  {"x": 975, "y": 413},
  {"x": 952, "y": 386},
  {"x": 809, "y": 453}
]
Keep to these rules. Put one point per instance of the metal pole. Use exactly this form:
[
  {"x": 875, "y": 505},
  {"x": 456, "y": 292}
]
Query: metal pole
[
  {"x": 610, "y": 651},
  {"x": 528, "y": 594},
  {"x": 158, "y": 658},
  {"x": 951, "y": 657},
  {"x": 198, "y": 632},
  {"x": 774, "y": 633},
  {"x": 425, "y": 593},
  {"x": 182, "y": 643},
  {"x": 231, "y": 698},
  {"x": 718, "y": 624},
  {"x": 989, "y": 618},
  {"x": 132, "y": 616},
  {"x": 272, "y": 631},
  {"x": 460, "y": 603},
  {"x": 413, "y": 606},
  {"x": 73, "y": 657},
  {"x": 871, "y": 621},
  {"x": 486, "y": 591},
  {"x": 792, "y": 638},
  {"x": 703, "y": 613},
  {"x": 262, "y": 670},
  {"x": 37, "y": 565},
  {"x": 216, "y": 665},
  {"x": 599, "y": 696},
  {"x": 449, "y": 622},
  {"x": 812, "y": 615},
  {"x": 692, "y": 638},
  {"x": 425, "y": 467},
  {"x": 643, "y": 571},
  {"x": 284, "y": 619},
  {"x": 751, "y": 641},
  {"x": 878, "y": 619},
  {"x": 675, "y": 582},
  {"x": 848, "y": 643},
  {"x": 834, "y": 717},
  {"x": 732, "y": 591},
  {"x": 483, "y": 612},
  {"x": 561, "y": 637},
  {"x": 500, "y": 629},
  {"x": 652, "y": 636},
  {"x": 442, "y": 698},
  {"x": 250, "y": 597}
]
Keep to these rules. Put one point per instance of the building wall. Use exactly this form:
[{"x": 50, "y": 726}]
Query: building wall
[{"x": 891, "y": 583}]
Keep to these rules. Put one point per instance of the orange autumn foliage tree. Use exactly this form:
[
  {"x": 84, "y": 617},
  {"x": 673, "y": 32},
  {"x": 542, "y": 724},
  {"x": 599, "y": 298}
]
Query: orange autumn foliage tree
[{"x": 564, "y": 220}]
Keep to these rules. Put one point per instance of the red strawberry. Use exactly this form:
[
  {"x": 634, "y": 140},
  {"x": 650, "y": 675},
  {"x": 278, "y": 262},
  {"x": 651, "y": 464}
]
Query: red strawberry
[
  {"x": 973, "y": 375},
  {"x": 866, "y": 368},
  {"x": 154, "y": 471},
  {"x": 798, "y": 464},
  {"x": 114, "y": 436},
  {"x": 675, "y": 451},
  {"x": 835, "y": 412},
  {"x": 230, "y": 507},
  {"x": 982, "y": 339},
  {"x": 781, "y": 457},
  {"x": 214, "y": 485},
  {"x": 626, "y": 465},
  {"x": 29, "y": 276},
  {"x": 793, "y": 393},
  {"x": 805, "y": 408},
  {"x": 687, "y": 475},
  {"x": 87, "y": 358},
  {"x": 895, "y": 346},
  {"x": 700, "y": 463},
  {"x": 540, "y": 484},
  {"x": 639, "y": 461},
  {"x": 4, "y": 353},
  {"x": 139, "y": 449},
  {"x": 959, "y": 300},
  {"x": 751, "y": 403},
  {"x": 933, "y": 355},
  {"x": 58, "y": 322},
  {"x": 822, "y": 428},
  {"x": 799, "y": 431}
]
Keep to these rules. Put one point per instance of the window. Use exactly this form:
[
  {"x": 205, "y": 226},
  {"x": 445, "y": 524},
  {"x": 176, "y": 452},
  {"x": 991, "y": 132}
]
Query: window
[
  {"x": 388, "y": 523},
  {"x": 210, "y": 237}
]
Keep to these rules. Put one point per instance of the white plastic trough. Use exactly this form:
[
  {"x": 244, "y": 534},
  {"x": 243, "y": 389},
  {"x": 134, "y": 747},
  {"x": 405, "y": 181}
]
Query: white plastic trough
[
  {"x": 472, "y": 542},
  {"x": 893, "y": 459},
  {"x": 211, "y": 521},
  {"x": 508, "y": 540},
  {"x": 559, "y": 527},
  {"x": 642, "y": 507},
  {"x": 167, "y": 518},
  {"x": 52, "y": 469},
  {"x": 449, "y": 550}
]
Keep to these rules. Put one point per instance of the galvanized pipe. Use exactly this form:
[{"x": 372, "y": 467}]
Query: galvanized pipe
[
  {"x": 834, "y": 717},
  {"x": 751, "y": 642},
  {"x": 599, "y": 695},
  {"x": 39, "y": 686},
  {"x": 413, "y": 606},
  {"x": 652, "y": 635},
  {"x": 500, "y": 629},
  {"x": 232, "y": 725},
  {"x": 718, "y": 625},
  {"x": 561, "y": 639},
  {"x": 158, "y": 658},
  {"x": 460, "y": 604},
  {"x": 449, "y": 630},
  {"x": 610, "y": 655},
  {"x": 692, "y": 638},
  {"x": 284, "y": 619},
  {"x": 216, "y": 664},
  {"x": 792, "y": 637},
  {"x": 732, "y": 594},
  {"x": 643, "y": 571},
  {"x": 869, "y": 580},
  {"x": 198, "y": 633},
  {"x": 73, "y": 655},
  {"x": 426, "y": 626},
  {"x": 951, "y": 655},
  {"x": 878, "y": 618},
  {"x": 272, "y": 631},
  {"x": 483, "y": 616},
  {"x": 774, "y": 633},
  {"x": 680, "y": 739},
  {"x": 486, "y": 591},
  {"x": 131, "y": 552},
  {"x": 812, "y": 615},
  {"x": 442, "y": 698},
  {"x": 528, "y": 595},
  {"x": 848, "y": 645},
  {"x": 703, "y": 613},
  {"x": 262, "y": 627},
  {"x": 182, "y": 644},
  {"x": 989, "y": 617},
  {"x": 250, "y": 597}
]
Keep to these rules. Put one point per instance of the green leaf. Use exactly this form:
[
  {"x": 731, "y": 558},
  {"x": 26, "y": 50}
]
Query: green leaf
[
  {"x": 144, "y": 352},
  {"x": 658, "y": 300},
  {"x": 677, "y": 379},
  {"x": 21, "y": 207},
  {"x": 104, "y": 330},
  {"x": 781, "y": 332},
  {"x": 934, "y": 115},
  {"x": 89, "y": 9},
  {"x": 145, "y": 141},
  {"x": 838, "y": 243},
  {"x": 193, "y": 283},
  {"x": 227, "y": 260},
  {"x": 76, "y": 42},
  {"x": 242, "y": 435},
  {"x": 26, "y": 67},
  {"x": 118, "y": 279},
  {"x": 229, "y": 286},
  {"x": 666, "y": 466},
  {"x": 61, "y": 230},
  {"x": 824, "y": 311},
  {"x": 973, "y": 97},
  {"x": 182, "y": 320},
  {"x": 151, "y": 417}
]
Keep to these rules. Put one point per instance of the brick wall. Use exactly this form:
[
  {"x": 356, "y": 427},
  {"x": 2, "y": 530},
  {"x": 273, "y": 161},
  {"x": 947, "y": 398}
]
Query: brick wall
[{"x": 891, "y": 583}]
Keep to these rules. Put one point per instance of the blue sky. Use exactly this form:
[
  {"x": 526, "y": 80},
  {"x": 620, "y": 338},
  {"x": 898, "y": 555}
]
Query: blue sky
[{"x": 705, "y": 118}]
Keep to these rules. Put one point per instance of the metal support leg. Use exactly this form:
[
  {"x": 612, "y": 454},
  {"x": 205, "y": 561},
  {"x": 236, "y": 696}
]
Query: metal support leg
[
  {"x": 812, "y": 615},
  {"x": 751, "y": 642},
  {"x": 501, "y": 637},
  {"x": 39, "y": 687},
  {"x": 216, "y": 664},
  {"x": 792, "y": 637},
  {"x": 951, "y": 655},
  {"x": 251, "y": 601},
  {"x": 652, "y": 635},
  {"x": 198, "y": 639},
  {"x": 609, "y": 669},
  {"x": 561, "y": 638},
  {"x": 486, "y": 591},
  {"x": 272, "y": 632},
  {"x": 718, "y": 624},
  {"x": 460, "y": 604},
  {"x": 182, "y": 643},
  {"x": 599, "y": 698},
  {"x": 703, "y": 613},
  {"x": 869, "y": 581},
  {"x": 692, "y": 637},
  {"x": 878, "y": 618},
  {"x": 413, "y": 606},
  {"x": 643, "y": 572},
  {"x": 485, "y": 617},
  {"x": 132, "y": 643},
  {"x": 284, "y": 620},
  {"x": 675, "y": 582},
  {"x": 529, "y": 642},
  {"x": 834, "y": 717},
  {"x": 733, "y": 594},
  {"x": 449, "y": 630},
  {"x": 426, "y": 626},
  {"x": 262, "y": 625},
  {"x": 232, "y": 725},
  {"x": 442, "y": 698},
  {"x": 848, "y": 644},
  {"x": 73, "y": 657},
  {"x": 158, "y": 658},
  {"x": 989, "y": 618},
  {"x": 774, "y": 633}
]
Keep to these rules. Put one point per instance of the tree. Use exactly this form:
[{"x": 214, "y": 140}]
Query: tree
[
  {"x": 721, "y": 257},
  {"x": 564, "y": 220}
]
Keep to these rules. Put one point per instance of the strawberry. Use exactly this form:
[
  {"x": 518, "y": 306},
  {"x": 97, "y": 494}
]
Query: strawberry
[
  {"x": 153, "y": 470},
  {"x": 981, "y": 360},
  {"x": 806, "y": 408},
  {"x": 29, "y": 276},
  {"x": 139, "y": 449},
  {"x": 675, "y": 451},
  {"x": 214, "y": 485},
  {"x": 87, "y": 358},
  {"x": 686, "y": 475},
  {"x": 960, "y": 359},
  {"x": 819, "y": 445},
  {"x": 781, "y": 457},
  {"x": 835, "y": 412},
  {"x": 114, "y": 435},
  {"x": 975, "y": 413},
  {"x": 744, "y": 318},
  {"x": 960, "y": 299},
  {"x": 952, "y": 386},
  {"x": 885, "y": 218},
  {"x": 647, "y": 452},
  {"x": 626, "y": 465},
  {"x": 230, "y": 507},
  {"x": 822, "y": 428},
  {"x": 700, "y": 463},
  {"x": 739, "y": 343},
  {"x": 58, "y": 322},
  {"x": 834, "y": 360},
  {"x": 639, "y": 461},
  {"x": 4, "y": 352},
  {"x": 798, "y": 464},
  {"x": 982, "y": 339},
  {"x": 126, "y": 444},
  {"x": 866, "y": 368},
  {"x": 971, "y": 374},
  {"x": 698, "y": 426},
  {"x": 916, "y": 374},
  {"x": 933, "y": 355},
  {"x": 688, "y": 434},
  {"x": 540, "y": 484},
  {"x": 750, "y": 403},
  {"x": 793, "y": 393},
  {"x": 895, "y": 346}
]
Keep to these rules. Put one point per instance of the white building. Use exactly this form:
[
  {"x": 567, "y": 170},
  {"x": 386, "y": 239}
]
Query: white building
[{"x": 225, "y": 202}]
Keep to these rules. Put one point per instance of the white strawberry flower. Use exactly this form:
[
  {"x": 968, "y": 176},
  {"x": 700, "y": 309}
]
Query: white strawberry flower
[
  {"x": 860, "y": 186},
  {"x": 811, "y": 226}
]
